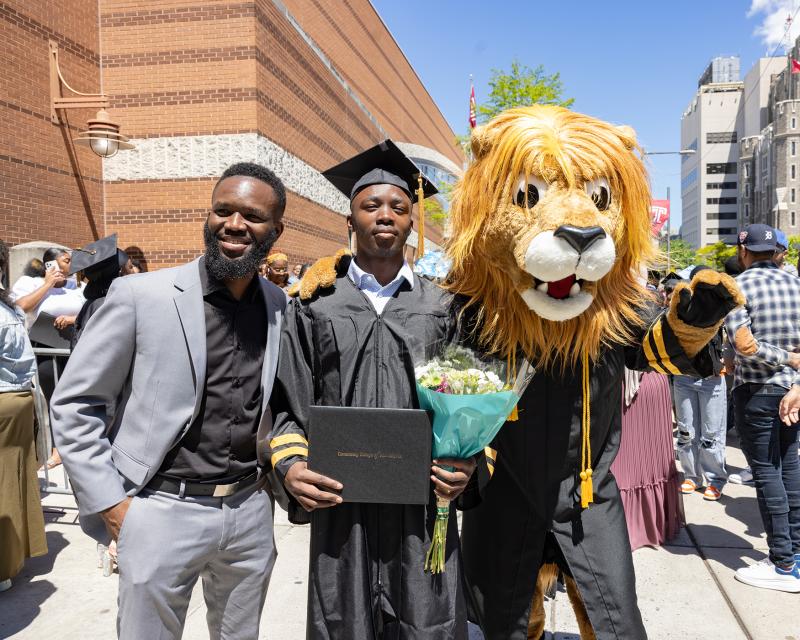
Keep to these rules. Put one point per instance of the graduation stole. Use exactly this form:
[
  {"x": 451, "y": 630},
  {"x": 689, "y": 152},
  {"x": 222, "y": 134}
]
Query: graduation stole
[{"x": 587, "y": 492}]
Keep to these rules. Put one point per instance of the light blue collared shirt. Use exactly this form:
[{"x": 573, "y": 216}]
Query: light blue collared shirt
[
  {"x": 17, "y": 362},
  {"x": 377, "y": 294}
]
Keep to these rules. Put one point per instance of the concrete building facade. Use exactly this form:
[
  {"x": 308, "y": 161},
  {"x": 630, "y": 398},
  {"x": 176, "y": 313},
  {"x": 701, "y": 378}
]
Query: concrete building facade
[
  {"x": 711, "y": 126},
  {"x": 769, "y": 161},
  {"x": 198, "y": 85}
]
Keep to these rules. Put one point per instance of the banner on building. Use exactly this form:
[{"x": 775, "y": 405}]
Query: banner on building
[{"x": 659, "y": 214}]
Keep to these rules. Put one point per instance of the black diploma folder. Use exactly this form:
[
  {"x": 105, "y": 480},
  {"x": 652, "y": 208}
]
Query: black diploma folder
[{"x": 379, "y": 455}]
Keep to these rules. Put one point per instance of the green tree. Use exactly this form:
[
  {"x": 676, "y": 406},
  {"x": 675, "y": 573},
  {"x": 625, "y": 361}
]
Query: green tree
[
  {"x": 715, "y": 255},
  {"x": 682, "y": 254},
  {"x": 520, "y": 87}
]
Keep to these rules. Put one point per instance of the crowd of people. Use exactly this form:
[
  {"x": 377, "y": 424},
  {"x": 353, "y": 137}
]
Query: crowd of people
[{"x": 166, "y": 420}]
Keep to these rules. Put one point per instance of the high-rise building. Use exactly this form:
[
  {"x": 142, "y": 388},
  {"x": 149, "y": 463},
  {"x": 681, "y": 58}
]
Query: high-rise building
[
  {"x": 769, "y": 157},
  {"x": 711, "y": 125}
]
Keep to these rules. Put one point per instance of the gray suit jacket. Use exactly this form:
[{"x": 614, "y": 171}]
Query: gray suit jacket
[{"x": 134, "y": 384}]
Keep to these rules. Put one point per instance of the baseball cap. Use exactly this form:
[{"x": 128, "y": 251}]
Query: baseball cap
[
  {"x": 781, "y": 240},
  {"x": 758, "y": 238}
]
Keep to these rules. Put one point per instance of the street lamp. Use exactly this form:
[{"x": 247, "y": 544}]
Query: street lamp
[
  {"x": 102, "y": 135},
  {"x": 682, "y": 152}
]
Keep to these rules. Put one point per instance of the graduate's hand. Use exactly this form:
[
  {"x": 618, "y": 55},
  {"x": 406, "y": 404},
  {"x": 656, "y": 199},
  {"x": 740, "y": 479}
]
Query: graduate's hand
[
  {"x": 451, "y": 484},
  {"x": 113, "y": 517},
  {"x": 309, "y": 488}
]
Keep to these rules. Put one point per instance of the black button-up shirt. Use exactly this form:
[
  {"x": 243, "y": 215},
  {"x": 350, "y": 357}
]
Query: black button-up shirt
[{"x": 220, "y": 445}]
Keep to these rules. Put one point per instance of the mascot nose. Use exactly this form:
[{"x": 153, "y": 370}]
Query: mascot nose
[{"x": 579, "y": 238}]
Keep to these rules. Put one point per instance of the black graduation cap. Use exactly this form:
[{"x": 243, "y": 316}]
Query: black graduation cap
[
  {"x": 382, "y": 164},
  {"x": 671, "y": 279},
  {"x": 95, "y": 257}
]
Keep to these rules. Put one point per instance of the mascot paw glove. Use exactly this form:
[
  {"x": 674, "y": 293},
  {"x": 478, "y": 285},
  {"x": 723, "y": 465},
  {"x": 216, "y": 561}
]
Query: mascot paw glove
[{"x": 707, "y": 299}]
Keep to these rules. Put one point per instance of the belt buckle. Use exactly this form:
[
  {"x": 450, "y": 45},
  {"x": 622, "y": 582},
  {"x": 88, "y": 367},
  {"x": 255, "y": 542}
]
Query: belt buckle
[{"x": 225, "y": 490}]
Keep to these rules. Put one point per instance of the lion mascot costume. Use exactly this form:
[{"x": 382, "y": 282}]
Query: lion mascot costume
[
  {"x": 549, "y": 235},
  {"x": 550, "y": 231}
]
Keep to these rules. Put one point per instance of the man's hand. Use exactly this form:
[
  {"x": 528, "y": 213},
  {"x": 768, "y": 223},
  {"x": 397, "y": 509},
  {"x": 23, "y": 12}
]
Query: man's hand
[
  {"x": 62, "y": 322},
  {"x": 309, "y": 488},
  {"x": 794, "y": 360},
  {"x": 789, "y": 410},
  {"x": 451, "y": 484},
  {"x": 114, "y": 517}
]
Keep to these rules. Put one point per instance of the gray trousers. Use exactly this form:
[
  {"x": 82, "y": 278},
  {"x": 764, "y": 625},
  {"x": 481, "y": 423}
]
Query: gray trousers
[{"x": 167, "y": 543}]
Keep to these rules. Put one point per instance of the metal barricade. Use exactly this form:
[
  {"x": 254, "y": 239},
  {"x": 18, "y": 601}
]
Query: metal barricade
[{"x": 44, "y": 440}]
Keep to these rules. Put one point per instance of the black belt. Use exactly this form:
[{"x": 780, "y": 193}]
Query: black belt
[
  {"x": 191, "y": 488},
  {"x": 767, "y": 389}
]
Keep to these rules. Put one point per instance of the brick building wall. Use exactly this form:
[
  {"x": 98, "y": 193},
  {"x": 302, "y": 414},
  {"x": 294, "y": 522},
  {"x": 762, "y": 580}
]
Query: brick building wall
[
  {"x": 199, "y": 84},
  {"x": 39, "y": 195}
]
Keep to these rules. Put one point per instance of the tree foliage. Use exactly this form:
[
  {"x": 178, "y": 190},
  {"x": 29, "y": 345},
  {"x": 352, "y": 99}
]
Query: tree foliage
[
  {"x": 682, "y": 254},
  {"x": 520, "y": 87},
  {"x": 715, "y": 255}
]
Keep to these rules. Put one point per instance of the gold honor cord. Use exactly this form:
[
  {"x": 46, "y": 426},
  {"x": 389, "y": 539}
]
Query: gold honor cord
[
  {"x": 587, "y": 492},
  {"x": 511, "y": 373},
  {"x": 421, "y": 216}
]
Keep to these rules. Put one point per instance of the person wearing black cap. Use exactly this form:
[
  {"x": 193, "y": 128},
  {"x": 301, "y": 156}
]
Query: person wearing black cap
[
  {"x": 161, "y": 414},
  {"x": 355, "y": 343},
  {"x": 765, "y": 334},
  {"x": 101, "y": 263}
]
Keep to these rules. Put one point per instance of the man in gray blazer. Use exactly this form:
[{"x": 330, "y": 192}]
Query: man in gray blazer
[{"x": 161, "y": 417}]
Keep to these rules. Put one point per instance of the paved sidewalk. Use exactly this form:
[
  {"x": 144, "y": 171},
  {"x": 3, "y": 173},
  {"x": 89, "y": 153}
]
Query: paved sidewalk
[{"x": 686, "y": 589}]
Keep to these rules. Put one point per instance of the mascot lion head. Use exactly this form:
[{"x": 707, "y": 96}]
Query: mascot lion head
[{"x": 550, "y": 227}]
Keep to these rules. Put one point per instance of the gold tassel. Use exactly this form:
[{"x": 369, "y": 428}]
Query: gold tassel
[
  {"x": 421, "y": 216},
  {"x": 587, "y": 490},
  {"x": 511, "y": 369}
]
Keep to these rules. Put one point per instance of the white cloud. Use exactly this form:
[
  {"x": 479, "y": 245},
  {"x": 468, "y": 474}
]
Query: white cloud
[{"x": 772, "y": 30}]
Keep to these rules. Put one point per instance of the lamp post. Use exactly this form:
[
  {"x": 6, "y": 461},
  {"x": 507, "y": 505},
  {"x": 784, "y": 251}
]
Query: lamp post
[
  {"x": 102, "y": 135},
  {"x": 682, "y": 152}
]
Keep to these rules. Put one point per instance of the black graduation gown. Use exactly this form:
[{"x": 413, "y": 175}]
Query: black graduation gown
[
  {"x": 535, "y": 491},
  {"x": 366, "y": 561}
]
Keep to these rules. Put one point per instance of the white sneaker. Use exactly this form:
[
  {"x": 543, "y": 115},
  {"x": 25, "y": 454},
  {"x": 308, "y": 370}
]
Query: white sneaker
[
  {"x": 766, "y": 575},
  {"x": 5, "y": 585},
  {"x": 745, "y": 476}
]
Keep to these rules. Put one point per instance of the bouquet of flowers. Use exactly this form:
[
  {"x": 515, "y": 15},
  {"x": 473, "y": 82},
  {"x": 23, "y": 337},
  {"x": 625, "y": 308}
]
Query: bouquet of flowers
[{"x": 470, "y": 398}]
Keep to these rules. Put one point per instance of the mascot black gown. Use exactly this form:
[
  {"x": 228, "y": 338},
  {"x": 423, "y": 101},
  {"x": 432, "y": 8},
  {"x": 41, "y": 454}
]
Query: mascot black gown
[{"x": 549, "y": 236}]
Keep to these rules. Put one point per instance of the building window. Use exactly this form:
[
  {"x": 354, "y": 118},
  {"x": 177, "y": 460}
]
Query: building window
[
  {"x": 721, "y": 215},
  {"x": 747, "y": 212},
  {"x": 793, "y": 171},
  {"x": 794, "y": 148},
  {"x": 727, "y": 200},
  {"x": 721, "y": 231},
  {"x": 747, "y": 190},
  {"x": 720, "y": 137},
  {"x": 792, "y": 196},
  {"x": 746, "y": 170},
  {"x": 793, "y": 218},
  {"x": 794, "y": 123},
  {"x": 721, "y": 167},
  {"x": 720, "y": 185}
]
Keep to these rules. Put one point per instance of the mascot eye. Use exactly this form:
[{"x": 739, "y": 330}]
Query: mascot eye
[
  {"x": 529, "y": 191},
  {"x": 599, "y": 192}
]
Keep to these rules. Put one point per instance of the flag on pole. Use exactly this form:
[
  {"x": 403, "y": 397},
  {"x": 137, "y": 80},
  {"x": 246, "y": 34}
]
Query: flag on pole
[
  {"x": 795, "y": 66},
  {"x": 472, "y": 108}
]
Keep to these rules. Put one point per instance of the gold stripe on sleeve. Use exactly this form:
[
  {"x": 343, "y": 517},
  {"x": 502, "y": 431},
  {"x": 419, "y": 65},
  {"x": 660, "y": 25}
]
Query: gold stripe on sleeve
[
  {"x": 650, "y": 355},
  {"x": 658, "y": 334},
  {"x": 287, "y": 438},
  {"x": 285, "y": 453},
  {"x": 490, "y": 453}
]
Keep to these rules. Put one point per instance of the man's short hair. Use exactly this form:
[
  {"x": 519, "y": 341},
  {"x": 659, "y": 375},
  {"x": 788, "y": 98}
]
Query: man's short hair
[
  {"x": 3, "y": 256},
  {"x": 761, "y": 256},
  {"x": 259, "y": 172}
]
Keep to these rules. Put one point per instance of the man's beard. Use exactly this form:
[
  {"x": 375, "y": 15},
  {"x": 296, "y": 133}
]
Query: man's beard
[{"x": 223, "y": 268}]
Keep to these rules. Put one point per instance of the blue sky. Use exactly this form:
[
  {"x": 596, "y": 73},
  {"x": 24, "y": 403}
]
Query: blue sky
[{"x": 625, "y": 61}]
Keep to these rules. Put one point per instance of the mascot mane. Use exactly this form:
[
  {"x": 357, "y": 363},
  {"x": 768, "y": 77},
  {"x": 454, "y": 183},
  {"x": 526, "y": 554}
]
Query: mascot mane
[{"x": 566, "y": 150}]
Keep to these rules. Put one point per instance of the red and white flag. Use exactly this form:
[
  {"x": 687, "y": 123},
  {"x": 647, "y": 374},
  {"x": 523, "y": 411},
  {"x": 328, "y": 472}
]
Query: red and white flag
[
  {"x": 795, "y": 66},
  {"x": 659, "y": 214},
  {"x": 472, "y": 108}
]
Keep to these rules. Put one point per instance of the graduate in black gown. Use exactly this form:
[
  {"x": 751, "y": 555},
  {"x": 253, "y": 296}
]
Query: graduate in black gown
[
  {"x": 101, "y": 262},
  {"x": 355, "y": 343}
]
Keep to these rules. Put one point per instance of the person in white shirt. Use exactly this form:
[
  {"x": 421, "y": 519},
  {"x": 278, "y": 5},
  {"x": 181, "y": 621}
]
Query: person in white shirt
[
  {"x": 60, "y": 297},
  {"x": 54, "y": 293}
]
